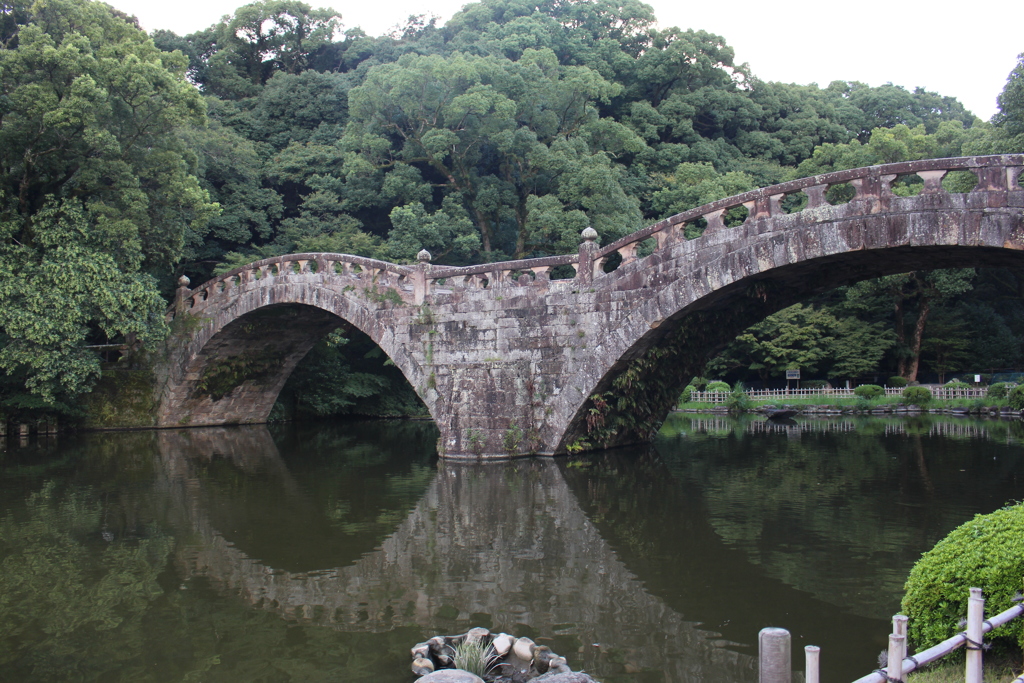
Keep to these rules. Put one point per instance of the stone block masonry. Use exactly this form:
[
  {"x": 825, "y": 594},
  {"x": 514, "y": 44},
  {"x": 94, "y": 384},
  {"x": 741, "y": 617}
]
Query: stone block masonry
[{"x": 510, "y": 362}]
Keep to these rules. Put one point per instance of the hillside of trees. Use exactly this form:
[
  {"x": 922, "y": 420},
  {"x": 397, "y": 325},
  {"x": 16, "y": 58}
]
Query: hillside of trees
[{"x": 129, "y": 159}]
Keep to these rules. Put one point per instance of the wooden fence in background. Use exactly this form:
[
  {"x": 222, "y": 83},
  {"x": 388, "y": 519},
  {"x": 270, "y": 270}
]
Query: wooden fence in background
[{"x": 947, "y": 393}]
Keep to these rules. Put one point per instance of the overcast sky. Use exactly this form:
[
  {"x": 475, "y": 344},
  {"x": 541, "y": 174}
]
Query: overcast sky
[{"x": 960, "y": 49}]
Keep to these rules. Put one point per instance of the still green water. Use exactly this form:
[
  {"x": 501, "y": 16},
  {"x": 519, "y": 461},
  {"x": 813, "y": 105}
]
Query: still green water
[{"x": 323, "y": 553}]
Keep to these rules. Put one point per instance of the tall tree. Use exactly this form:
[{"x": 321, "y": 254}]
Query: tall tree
[
  {"x": 96, "y": 187},
  {"x": 912, "y": 297},
  {"x": 499, "y": 134}
]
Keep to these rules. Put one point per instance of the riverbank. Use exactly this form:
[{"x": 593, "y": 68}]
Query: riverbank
[
  {"x": 982, "y": 407},
  {"x": 951, "y": 670}
]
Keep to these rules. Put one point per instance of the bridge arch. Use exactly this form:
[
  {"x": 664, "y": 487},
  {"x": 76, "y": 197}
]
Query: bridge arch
[
  {"x": 507, "y": 360},
  {"x": 707, "y": 291},
  {"x": 239, "y": 337}
]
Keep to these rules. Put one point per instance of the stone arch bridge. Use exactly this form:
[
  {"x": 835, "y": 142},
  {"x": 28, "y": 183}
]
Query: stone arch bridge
[{"x": 510, "y": 361}]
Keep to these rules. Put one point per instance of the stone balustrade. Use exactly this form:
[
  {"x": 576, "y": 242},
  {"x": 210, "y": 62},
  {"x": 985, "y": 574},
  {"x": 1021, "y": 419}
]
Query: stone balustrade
[
  {"x": 359, "y": 268},
  {"x": 510, "y": 359},
  {"x": 871, "y": 187}
]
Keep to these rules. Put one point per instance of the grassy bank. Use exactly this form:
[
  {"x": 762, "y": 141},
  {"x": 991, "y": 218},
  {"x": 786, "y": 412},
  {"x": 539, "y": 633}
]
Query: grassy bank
[
  {"x": 951, "y": 670},
  {"x": 855, "y": 404}
]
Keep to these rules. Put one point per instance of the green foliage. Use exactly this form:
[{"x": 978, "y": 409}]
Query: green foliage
[
  {"x": 687, "y": 392},
  {"x": 998, "y": 390},
  {"x": 917, "y": 396},
  {"x": 986, "y": 552},
  {"x": 717, "y": 385},
  {"x": 245, "y": 49},
  {"x": 739, "y": 401},
  {"x": 511, "y": 439},
  {"x": 577, "y": 446},
  {"x": 806, "y": 338},
  {"x": 503, "y": 134},
  {"x": 896, "y": 381},
  {"x": 96, "y": 188},
  {"x": 63, "y": 293},
  {"x": 124, "y": 397},
  {"x": 347, "y": 374},
  {"x": 1010, "y": 118},
  {"x": 447, "y": 233},
  {"x": 476, "y": 441},
  {"x": 869, "y": 391},
  {"x": 385, "y": 295},
  {"x": 474, "y": 657},
  {"x": 222, "y": 377},
  {"x": 1015, "y": 399}
]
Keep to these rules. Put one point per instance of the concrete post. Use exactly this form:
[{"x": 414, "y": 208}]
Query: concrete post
[
  {"x": 774, "y": 657},
  {"x": 812, "y": 664},
  {"x": 899, "y": 627},
  {"x": 585, "y": 272},
  {"x": 894, "y": 668},
  {"x": 975, "y": 619}
]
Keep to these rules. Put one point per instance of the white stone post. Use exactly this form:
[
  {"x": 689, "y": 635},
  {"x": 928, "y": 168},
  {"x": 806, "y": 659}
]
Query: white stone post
[
  {"x": 774, "y": 657},
  {"x": 812, "y": 664},
  {"x": 975, "y": 617}
]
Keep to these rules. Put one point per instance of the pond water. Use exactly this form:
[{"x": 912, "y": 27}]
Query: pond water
[{"x": 324, "y": 552}]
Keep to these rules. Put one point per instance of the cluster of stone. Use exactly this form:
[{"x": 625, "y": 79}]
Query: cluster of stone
[{"x": 507, "y": 660}]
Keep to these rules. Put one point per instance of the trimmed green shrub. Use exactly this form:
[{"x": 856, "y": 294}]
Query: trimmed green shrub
[
  {"x": 687, "y": 392},
  {"x": 739, "y": 401},
  {"x": 957, "y": 384},
  {"x": 1016, "y": 397},
  {"x": 896, "y": 381},
  {"x": 869, "y": 391},
  {"x": 699, "y": 383},
  {"x": 986, "y": 552},
  {"x": 998, "y": 390},
  {"x": 718, "y": 385},
  {"x": 814, "y": 384},
  {"x": 918, "y": 396}
]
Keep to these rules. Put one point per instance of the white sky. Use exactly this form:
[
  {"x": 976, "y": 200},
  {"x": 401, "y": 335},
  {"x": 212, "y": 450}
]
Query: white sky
[{"x": 951, "y": 48}]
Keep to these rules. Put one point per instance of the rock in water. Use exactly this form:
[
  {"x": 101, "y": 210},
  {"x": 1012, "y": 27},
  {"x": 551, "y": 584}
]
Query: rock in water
[
  {"x": 570, "y": 677},
  {"x": 542, "y": 655},
  {"x": 524, "y": 648},
  {"x": 475, "y": 635},
  {"x": 451, "y": 676},
  {"x": 502, "y": 643},
  {"x": 422, "y": 666}
]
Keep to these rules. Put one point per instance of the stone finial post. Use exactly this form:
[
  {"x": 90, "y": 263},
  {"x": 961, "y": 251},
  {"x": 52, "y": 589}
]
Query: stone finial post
[
  {"x": 181, "y": 294},
  {"x": 585, "y": 272},
  {"x": 421, "y": 285}
]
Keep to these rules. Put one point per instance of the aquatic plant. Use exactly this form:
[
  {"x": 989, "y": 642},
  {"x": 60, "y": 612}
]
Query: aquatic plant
[{"x": 474, "y": 657}]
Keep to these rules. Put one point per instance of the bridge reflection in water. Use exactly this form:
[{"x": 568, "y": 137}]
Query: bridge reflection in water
[{"x": 507, "y": 545}]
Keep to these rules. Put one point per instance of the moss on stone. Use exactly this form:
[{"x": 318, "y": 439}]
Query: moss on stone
[{"x": 124, "y": 398}]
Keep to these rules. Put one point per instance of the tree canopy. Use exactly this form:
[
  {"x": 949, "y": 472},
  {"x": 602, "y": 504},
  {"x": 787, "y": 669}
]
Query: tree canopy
[
  {"x": 127, "y": 160},
  {"x": 97, "y": 191}
]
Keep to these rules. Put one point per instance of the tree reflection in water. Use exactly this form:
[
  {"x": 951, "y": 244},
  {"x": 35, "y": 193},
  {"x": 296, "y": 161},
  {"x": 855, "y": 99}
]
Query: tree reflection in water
[{"x": 318, "y": 554}]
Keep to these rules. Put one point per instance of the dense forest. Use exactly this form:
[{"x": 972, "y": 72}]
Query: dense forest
[{"x": 127, "y": 160}]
